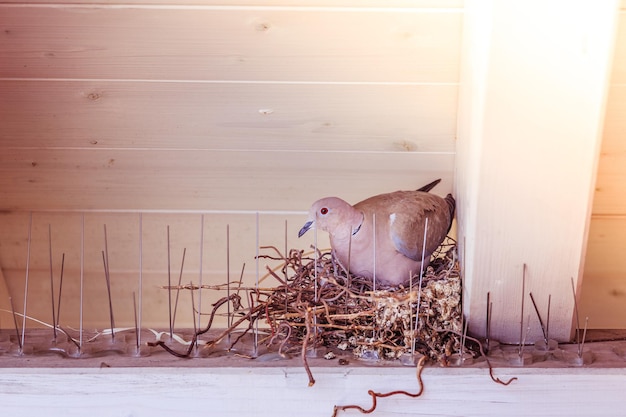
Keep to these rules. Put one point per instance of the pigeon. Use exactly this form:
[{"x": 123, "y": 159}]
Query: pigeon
[{"x": 396, "y": 248}]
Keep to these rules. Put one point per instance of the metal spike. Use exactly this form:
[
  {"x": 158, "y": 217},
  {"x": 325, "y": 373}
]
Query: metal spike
[
  {"x": 54, "y": 319},
  {"x": 82, "y": 282},
  {"x": 374, "y": 249},
  {"x": 30, "y": 227},
  {"x": 169, "y": 283},
  {"x": 180, "y": 278},
  {"x": 521, "y": 327},
  {"x": 60, "y": 290},
  {"x": 136, "y": 323},
  {"x": 140, "y": 296},
  {"x": 419, "y": 289},
  {"x": 17, "y": 329},
  {"x": 200, "y": 271},
  {"x": 228, "y": 313}
]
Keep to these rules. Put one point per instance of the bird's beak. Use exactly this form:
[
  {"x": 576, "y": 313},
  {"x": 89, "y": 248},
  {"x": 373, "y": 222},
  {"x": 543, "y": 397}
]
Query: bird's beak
[{"x": 305, "y": 228}]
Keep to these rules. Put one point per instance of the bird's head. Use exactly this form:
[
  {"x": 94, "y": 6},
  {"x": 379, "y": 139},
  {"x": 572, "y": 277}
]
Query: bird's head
[{"x": 332, "y": 215}]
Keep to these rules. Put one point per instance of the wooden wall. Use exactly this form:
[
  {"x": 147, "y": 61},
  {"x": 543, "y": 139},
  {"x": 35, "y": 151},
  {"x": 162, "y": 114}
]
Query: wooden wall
[
  {"x": 200, "y": 106},
  {"x": 204, "y": 105},
  {"x": 604, "y": 284}
]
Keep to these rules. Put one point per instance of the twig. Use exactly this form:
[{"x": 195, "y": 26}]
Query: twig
[
  {"x": 305, "y": 343},
  {"x": 375, "y": 395}
]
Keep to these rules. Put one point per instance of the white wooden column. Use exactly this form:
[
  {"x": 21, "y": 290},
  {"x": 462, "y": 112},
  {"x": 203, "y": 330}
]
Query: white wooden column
[{"x": 533, "y": 86}]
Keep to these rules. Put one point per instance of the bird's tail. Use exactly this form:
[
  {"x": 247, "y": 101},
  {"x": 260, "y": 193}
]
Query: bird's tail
[
  {"x": 452, "y": 207},
  {"x": 426, "y": 188}
]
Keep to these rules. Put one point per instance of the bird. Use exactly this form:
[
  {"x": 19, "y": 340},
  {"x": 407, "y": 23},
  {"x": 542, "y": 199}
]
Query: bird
[{"x": 396, "y": 248}]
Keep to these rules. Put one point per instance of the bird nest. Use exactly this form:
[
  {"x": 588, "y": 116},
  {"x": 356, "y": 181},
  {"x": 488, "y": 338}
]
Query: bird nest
[
  {"x": 319, "y": 305},
  {"x": 324, "y": 306}
]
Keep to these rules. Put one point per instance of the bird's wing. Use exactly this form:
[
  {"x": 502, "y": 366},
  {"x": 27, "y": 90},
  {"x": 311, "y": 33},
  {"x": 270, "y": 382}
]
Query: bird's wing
[{"x": 408, "y": 222}]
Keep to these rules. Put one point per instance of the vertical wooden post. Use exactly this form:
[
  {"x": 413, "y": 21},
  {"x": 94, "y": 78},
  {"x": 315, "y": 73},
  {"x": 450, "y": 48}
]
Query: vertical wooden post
[{"x": 533, "y": 86}]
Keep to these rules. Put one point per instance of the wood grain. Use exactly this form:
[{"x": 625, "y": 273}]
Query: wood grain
[
  {"x": 604, "y": 287},
  {"x": 189, "y": 179},
  {"x": 241, "y": 44},
  {"x": 171, "y": 115}
]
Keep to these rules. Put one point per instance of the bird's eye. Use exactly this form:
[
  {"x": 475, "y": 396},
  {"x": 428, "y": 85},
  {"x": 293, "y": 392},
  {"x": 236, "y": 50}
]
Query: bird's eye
[{"x": 324, "y": 210}]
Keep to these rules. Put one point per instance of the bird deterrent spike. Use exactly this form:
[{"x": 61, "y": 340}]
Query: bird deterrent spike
[
  {"x": 548, "y": 317},
  {"x": 286, "y": 237},
  {"x": 582, "y": 344},
  {"x": 521, "y": 326},
  {"x": 419, "y": 289},
  {"x": 60, "y": 289},
  {"x": 523, "y": 341},
  {"x": 107, "y": 276},
  {"x": 228, "y": 315},
  {"x": 256, "y": 322},
  {"x": 30, "y": 227},
  {"x": 315, "y": 262},
  {"x": 169, "y": 283},
  {"x": 463, "y": 340},
  {"x": 82, "y": 282},
  {"x": 193, "y": 315},
  {"x": 374, "y": 249},
  {"x": 577, "y": 317},
  {"x": 200, "y": 270},
  {"x": 411, "y": 315},
  {"x": 108, "y": 284},
  {"x": 54, "y": 320},
  {"x": 136, "y": 324},
  {"x": 285, "y": 271},
  {"x": 140, "y": 296},
  {"x": 349, "y": 254},
  {"x": 180, "y": 278},
  {"x": 488, "y": 322},
  {"x": 17, "y": 329}
]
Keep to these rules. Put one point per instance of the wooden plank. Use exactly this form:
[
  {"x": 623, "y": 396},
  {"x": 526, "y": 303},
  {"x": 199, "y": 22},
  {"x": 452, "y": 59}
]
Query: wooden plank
[
  {"x": 382, "y": 4},
  {"x": 619, "y": 60},
  {"x": 604, "y": 285},
  {"x": 222, "y": 44},
  {"x": 610, "y": 196},
  {"x": 191, "y": 179},
  {"x": 603, "y": 288},
  {"x": 245, "y": 391},
  {"x": 105, "y": 114},
  {"x": 509, "y": 167}
]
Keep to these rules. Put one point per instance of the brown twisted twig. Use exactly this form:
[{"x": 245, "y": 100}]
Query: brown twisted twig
[
  {"x": 375, "y": 395},
  {"x": 235, "y": 299}
]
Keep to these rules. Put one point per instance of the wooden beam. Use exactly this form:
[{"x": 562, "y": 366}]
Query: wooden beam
[
  {"x": 283, "y": 391},
  {"x": 533, "y": 87}
]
